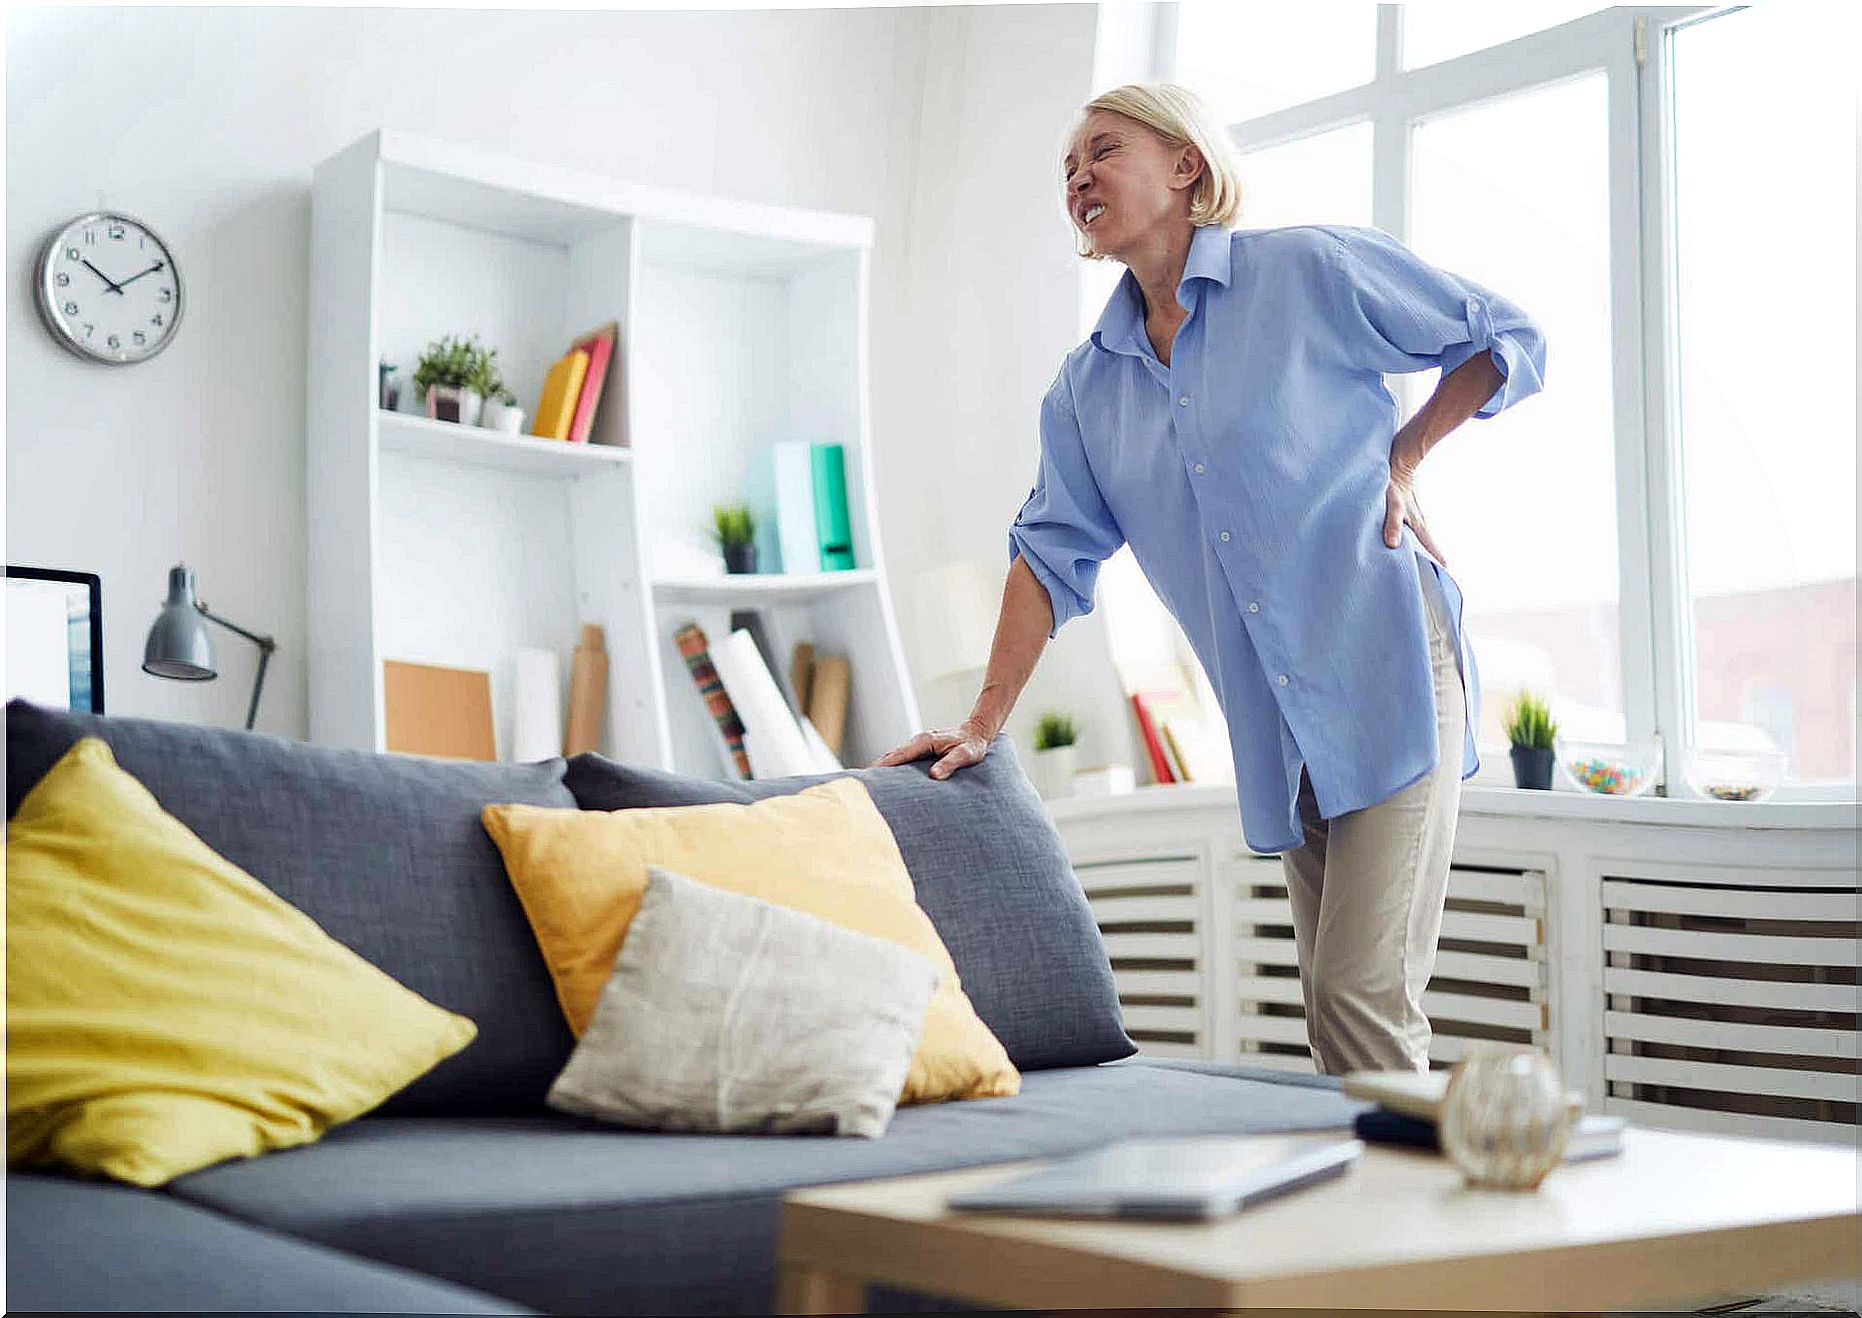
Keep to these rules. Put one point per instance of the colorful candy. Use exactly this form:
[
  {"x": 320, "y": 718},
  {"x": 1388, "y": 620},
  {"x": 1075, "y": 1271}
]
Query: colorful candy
[{"x": 1603, "y": 775}]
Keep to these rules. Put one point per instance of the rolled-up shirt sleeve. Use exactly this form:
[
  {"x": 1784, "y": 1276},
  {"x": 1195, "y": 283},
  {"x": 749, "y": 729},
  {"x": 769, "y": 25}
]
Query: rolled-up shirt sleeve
[
  {"x": 1065, "y": 530},
  {"x": 1407, "y": 315}
]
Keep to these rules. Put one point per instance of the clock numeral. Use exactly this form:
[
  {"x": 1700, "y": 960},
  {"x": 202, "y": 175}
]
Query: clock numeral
[
  {"x": 116, "y": 232},
  {"x": 71, "y": 308},
  {"x": 63, "y": 279},
  {"x": 114, "y": 342},
  {"x": 90, "y": 237},
  {"x": 140, "y": 338},
  {"x": 88, "y": 329},
  {"x": 73, "y": 254},
  {"x": 167, "y": 295},
  {"x": 156, "y": 319}
]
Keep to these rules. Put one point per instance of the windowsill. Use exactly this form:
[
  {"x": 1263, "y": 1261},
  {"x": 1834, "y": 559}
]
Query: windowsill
[{"x": 1513, "y": 803}]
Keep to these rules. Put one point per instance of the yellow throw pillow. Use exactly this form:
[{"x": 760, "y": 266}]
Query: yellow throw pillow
[
  {"x": 825, "y": 850},
  {"x": 165, "y": 1010}
]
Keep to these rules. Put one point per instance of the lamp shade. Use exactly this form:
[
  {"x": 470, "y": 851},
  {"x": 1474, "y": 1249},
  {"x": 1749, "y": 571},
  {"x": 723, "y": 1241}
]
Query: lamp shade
[
  {"x": 178, "y": 644},
  {"x": 957, "y": 606}
]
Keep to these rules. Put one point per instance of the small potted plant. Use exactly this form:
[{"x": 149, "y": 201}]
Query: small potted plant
[
  {"x": 1532, "y": 732},
  {"x": 449, "y": 377},
  {"x": 1056, "y": 753},
  {"x": 734, "y": 528}
]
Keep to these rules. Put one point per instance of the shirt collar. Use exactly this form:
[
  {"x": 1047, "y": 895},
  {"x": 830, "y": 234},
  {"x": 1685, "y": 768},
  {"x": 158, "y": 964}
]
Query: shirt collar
[{"x": 1208, "y": 259}]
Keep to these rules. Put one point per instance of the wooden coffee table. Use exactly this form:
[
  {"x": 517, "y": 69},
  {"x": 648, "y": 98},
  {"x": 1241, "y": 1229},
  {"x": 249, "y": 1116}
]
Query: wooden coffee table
[{"x": 1674, "y": 1217}]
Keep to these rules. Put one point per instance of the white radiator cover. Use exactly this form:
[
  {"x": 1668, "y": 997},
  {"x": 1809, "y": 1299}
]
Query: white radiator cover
[{"x": 1694, "y": 975}]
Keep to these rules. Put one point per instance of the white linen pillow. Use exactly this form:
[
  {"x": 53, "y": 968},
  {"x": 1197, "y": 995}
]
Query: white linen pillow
[{"x": 728, "y": 1013}]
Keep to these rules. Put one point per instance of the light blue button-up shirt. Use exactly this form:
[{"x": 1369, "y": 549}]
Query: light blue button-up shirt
[{"x": 1248, "y": 476}]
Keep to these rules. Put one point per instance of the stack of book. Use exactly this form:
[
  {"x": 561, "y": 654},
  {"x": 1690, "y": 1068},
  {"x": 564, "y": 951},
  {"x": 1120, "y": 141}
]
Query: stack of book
[
  {"x": 1178, "y": 741},
  {"x": 573, "y": 385},
  {"x": 798, "y": 493},
  {"x": 769, "y": 730},
  {"x": 1409, "y": 1106}
]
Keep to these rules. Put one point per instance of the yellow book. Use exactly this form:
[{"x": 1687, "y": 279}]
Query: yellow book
[{"x": 561, "y": 387}]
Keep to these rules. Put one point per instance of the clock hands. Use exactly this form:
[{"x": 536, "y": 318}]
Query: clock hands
[
  {"x": 133, "y": 278},
  {"x": 114, "y": 288}
]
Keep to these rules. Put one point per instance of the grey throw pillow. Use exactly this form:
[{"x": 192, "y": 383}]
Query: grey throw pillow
[{"x": 728, "y": 1013}]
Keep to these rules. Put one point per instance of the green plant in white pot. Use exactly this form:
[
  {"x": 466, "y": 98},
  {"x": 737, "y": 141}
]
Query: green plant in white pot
[
  {"x": 500, "y": 411},
  {"x": 1056, "y": 754}
]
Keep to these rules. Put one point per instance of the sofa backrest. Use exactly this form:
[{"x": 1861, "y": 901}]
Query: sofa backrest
[
  {"x": 385, "y": 852},
  {"x": 989, "y": 869}
]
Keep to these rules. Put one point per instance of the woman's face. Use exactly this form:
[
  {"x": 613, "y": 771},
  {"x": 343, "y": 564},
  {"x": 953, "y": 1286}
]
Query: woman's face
[{"x": 1123, "y": 184}]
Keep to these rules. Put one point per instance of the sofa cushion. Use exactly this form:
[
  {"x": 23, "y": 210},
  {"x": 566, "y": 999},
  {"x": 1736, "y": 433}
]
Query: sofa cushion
[
  {"x": 384, "y": 852},
  {"x": 164, "y": 1009},
  {"x": 576, "y": 1217},
  {"x": 89, "y": 1247},
  {"x": 825, "y": 850},
  {"x": 989, "y": 870},
  {"x": 727, "y": 1013}
]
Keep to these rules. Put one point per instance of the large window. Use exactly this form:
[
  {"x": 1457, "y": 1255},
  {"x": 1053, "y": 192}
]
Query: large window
[
  {"x": 1764, "y": 356},
  {"x": 1665, "y": 540},
  {"x": 1513, "y": 194}
]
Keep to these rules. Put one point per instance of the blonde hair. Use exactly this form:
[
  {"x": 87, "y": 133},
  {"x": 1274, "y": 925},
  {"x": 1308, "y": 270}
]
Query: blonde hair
[{"x": 1179, "y": 116}]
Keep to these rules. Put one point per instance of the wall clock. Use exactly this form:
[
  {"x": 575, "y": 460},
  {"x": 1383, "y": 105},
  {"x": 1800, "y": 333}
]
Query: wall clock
[{"x": 109, "y": 290}]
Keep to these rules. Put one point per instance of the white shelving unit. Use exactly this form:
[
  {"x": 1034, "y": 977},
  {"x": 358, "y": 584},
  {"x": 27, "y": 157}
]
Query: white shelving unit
[{"x": 740, "y": 325}]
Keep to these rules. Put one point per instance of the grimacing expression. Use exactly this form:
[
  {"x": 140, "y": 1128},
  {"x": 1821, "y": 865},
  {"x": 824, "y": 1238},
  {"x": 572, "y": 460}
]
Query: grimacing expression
[{"x": 1122, "y": 182}]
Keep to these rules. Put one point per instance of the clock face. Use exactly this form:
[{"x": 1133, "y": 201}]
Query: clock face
[{"x": 108, "y": 289}]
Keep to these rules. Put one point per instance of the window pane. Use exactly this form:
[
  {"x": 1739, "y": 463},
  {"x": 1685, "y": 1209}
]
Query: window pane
[
  {"x": 1323, "y": 179},
  {"x": 1764, "y": 223},
  {"x": 1514, "y": 195},
  {"x": 1434, "y": 32},
  {"x": 1246, "y": 60}
]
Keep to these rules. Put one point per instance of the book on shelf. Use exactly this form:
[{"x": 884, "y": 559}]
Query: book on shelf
[
  {"x": 562, "y": 385},
  {"x": 802, "y": 672},
  {"x": 833, "y": 531},
  {"x": 1173, "y": 748},
  {"x": 695, "y": 649},
  {"x": 1153, "y": 743},
  {"x": 599, "y": 344},
  {"x": 829, "y": 689}
]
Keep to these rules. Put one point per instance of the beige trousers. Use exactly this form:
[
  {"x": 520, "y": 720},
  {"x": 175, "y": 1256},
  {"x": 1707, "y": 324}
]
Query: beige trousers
[{"x": 1368, "y": 888}]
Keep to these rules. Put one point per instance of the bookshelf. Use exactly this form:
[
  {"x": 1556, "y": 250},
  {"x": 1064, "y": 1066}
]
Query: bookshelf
[{"x": 740, "y": 325}]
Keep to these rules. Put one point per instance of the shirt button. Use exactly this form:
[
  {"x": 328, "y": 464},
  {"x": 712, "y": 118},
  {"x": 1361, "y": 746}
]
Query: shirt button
[
  {"x": 1225, "y": 537},
  {"x": 1184, "y": 401},
  {"x": 1199, "y": 469},
  {"x": 1253, "y": 607},
  {"x": 1283, "y": 679}
]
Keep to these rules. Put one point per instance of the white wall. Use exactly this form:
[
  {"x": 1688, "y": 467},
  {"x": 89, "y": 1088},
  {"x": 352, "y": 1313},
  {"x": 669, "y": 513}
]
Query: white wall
[{"x": 940, "y": 123}]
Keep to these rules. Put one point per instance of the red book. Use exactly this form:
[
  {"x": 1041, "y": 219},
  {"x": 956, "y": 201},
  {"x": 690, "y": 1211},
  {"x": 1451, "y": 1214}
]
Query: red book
[
  {"x": 599, "y": 345},
  {"x": 1153, "y": 745}
]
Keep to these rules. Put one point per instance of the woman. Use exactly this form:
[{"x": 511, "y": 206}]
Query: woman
[{"x": 1228, "y": 419}]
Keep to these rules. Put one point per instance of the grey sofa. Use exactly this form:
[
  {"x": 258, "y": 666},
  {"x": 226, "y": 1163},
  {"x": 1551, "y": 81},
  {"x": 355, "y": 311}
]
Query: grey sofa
[{"x": 463, "y": 1193}]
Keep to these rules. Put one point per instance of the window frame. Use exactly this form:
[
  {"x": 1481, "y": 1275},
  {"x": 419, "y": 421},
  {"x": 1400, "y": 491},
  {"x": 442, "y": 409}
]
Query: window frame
[{"x": 1630, "y": 46}]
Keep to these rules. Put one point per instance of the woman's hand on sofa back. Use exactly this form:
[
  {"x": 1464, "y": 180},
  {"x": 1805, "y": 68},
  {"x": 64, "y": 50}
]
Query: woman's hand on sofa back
[{"x": 957, "y": 748}]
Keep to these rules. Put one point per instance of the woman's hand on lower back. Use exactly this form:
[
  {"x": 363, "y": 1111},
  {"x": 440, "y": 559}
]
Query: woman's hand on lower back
[{"x": 956, "y": 748}]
